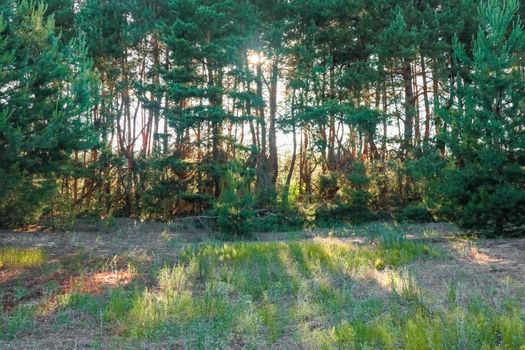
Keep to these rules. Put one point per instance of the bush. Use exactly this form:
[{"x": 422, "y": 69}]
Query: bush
[
  {"x": 353, "y": 203},
  {"x": 234, "y": 207},
  {"x": 478, "y": 198},
  {"x": 22, "y": 200},
  {"x": 413, "y": 212},
  {"x": 61, "y": 215},
  {"x": 283, "y": 218},
  {"x": 328, "y": 186}
]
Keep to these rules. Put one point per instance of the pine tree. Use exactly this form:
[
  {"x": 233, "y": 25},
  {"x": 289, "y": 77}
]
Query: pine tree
[
  {"x": 46, "y": 88},
  {"x": 482, "y": 185},
  {"x": 234, "y": 207},
  {"x": 205, "y": 40}
]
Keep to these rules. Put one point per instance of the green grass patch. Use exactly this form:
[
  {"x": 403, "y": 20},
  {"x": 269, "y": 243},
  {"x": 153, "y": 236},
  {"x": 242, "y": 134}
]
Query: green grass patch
[
  {"x": 19, "y": 320},
  {"x": 473, "y": 327},
  {"x": 83, "y": 302},
  {"x": 262, "y": 293},
  {"x": 251, "y": 290},
  {"x": 15, "y": 258}
]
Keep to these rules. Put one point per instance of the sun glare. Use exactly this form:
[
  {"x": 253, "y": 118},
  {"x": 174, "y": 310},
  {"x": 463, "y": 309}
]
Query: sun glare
[{"x": 255, "y": 57}]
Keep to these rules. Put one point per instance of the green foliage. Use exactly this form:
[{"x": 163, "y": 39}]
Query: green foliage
[
  {"x": 328, "y": 186},
  {"x": 234, "y": 206},
  {"x": 282, "y": 218},
  {"x": 167, "y": 183},
  {"x": 61, "y": 215},
  {"x": 120, "y": 302},
  {"x": 413, "y": 212},
  {"x": 188, "y": 88},
  {"x": 20, "y": 207},
  {"x": 356, "y": 193},
  {"x": 21, "y": 319},
  {"x": 83, "y": 302},
  {"x": 353, "y": 202},
  {"x": 482, "y": 186},
  {"x": 48, "y": 89}
]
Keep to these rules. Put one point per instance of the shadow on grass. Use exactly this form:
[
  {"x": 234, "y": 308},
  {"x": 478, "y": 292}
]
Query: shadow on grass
[{"x": 321, "y": 294}]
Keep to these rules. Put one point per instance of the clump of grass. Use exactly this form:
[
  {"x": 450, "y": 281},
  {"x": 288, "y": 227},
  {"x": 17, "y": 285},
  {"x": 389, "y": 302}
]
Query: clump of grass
[
  {"x": 394, "y": 249},
  {"x": 19, "y": 320},
  {"x": 20, "y": 292},
  {"x": 477, "y": 326},
  {"x": 16, "y": 258},
  {"x": 119, "y": 304},
  {"x": 269, "y": 315},
  {"x": 83, "y": 302},
  {"x": 405, "y": 289}
]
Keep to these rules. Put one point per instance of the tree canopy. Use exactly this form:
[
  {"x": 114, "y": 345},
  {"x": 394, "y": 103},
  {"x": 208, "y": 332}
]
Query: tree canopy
[{"x": 264, "y": 113}]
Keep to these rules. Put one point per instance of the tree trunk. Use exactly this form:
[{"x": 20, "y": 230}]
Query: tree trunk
[
  {"x": 166, "y": 108},
  {"x": 155, "y": 81},
  {"x": 409, "y": 107},
  {"x": 437, "y": 120},
  {"x": 417, "y": 128},
  {"x": 426, "y": 135},
  {"x": 272, "y": 140},
  {"x": 330, "y": 158}
]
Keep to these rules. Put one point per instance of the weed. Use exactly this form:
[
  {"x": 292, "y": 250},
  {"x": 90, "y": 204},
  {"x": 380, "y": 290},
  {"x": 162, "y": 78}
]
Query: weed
[{"x": 20, "y": 292}]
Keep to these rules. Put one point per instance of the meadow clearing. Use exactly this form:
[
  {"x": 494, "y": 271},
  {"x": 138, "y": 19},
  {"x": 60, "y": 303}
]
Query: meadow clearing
[{"x": 373, "y": 286}]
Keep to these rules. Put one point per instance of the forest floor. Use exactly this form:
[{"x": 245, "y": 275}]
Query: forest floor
[{"x": 150, "y": 286}]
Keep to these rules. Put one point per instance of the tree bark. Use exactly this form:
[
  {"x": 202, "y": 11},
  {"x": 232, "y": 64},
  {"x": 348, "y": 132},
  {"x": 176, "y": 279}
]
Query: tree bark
[
  {"x": 409, "y": 107},
  {"x": 272, "y": 139},
  {"x": 426, "y": 135}
]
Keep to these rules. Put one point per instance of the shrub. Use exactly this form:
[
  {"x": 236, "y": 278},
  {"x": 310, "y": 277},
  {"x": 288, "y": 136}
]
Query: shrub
[
  {"x": 413, "y": 212},
  {"x": 476, "y": 197},
  {"x": 328, "y": 186},
  {"x": 61, "y": 215},
  {"x": 353, "y": 203},
  {"x": 234, "y": 206},
  {"x": 22, "y": 201}
]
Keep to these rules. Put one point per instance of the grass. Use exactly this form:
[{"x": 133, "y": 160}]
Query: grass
[
  {"x": 323, "y": 293},
  {"x": 256, "y": 290},
  {"x": 264, "y": 292},
  {"x": 15, "y": 258},
  {"x": 20, "y": 320}
]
